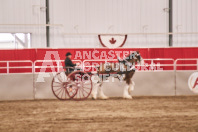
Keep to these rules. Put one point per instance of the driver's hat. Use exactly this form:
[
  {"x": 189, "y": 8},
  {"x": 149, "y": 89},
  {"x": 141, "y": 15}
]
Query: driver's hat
[{"x": 68, "y": 53}]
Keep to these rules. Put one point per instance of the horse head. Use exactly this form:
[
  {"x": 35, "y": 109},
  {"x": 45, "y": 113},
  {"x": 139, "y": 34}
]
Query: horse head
[{"x": 135, "y": 57}]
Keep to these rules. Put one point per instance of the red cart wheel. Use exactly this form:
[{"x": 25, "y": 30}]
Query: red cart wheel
[
  {"x": 83, "y": 84},
  {"x": 62, "y": 88}
]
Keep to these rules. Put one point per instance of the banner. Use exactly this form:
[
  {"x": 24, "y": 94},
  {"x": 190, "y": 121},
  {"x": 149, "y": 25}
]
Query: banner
[{"x": 90, "y": 54}]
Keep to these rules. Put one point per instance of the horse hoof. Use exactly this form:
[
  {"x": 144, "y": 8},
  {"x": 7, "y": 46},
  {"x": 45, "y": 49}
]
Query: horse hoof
[
  {"x": 127, "y": 97},
  {"x": 104, "y": 98},
  {"x": 94, "y": 98}
]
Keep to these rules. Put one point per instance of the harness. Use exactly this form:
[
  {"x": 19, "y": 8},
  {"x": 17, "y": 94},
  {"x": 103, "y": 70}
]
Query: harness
[{"x": 128, "y": 64}]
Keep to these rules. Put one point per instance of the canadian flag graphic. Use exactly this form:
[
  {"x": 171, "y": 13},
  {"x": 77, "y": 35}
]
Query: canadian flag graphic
[{"x": 112, "y": 40}]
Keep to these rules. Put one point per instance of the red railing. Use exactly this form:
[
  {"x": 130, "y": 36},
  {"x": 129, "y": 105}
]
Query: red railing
[
  {"x": 17, "y": 66},
  {"x": 157, "y": 64}
]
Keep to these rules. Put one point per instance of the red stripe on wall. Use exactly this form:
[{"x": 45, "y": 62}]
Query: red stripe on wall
[{"x": 39, "y": 54}]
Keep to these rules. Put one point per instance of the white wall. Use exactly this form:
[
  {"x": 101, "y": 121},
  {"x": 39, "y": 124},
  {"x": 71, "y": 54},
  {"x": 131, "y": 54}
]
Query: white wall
[
  {"x": 101, "y": 16},
  {"x": 185, "y": 20},
  {"x": 24, "y": 12},
  {"x": 109, "y": 16},
  {"x": 160, "y": 83}
]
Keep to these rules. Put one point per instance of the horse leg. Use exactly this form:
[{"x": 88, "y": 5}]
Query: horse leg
[
  {"x": 101, "y": 94},
  {"x": 95, "y": 91},
  {"x": 128, "y": 77},
  {"x": 130, "y": 82},
  {"x": 131, "y": 86},
  {"x": 96, "y": 82},
  {"x": 126, "y": 94}
]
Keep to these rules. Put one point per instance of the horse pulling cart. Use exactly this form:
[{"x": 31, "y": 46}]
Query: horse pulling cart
[{"x": 76, "y": 85}]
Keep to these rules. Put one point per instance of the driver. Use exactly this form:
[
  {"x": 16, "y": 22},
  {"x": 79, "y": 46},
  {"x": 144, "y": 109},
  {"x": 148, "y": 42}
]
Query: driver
[{"x": 69, "y": 63}]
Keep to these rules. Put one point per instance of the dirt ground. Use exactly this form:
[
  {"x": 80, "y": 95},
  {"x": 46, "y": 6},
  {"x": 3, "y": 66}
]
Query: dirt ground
[{"x": 140, "y": 114}]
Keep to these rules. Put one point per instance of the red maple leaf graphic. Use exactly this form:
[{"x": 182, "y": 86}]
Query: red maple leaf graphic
[{"x": 112, "y": 41}]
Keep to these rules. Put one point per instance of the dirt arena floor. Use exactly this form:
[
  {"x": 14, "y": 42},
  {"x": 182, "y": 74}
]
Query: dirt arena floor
[{"x": 159, "y": 114}]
